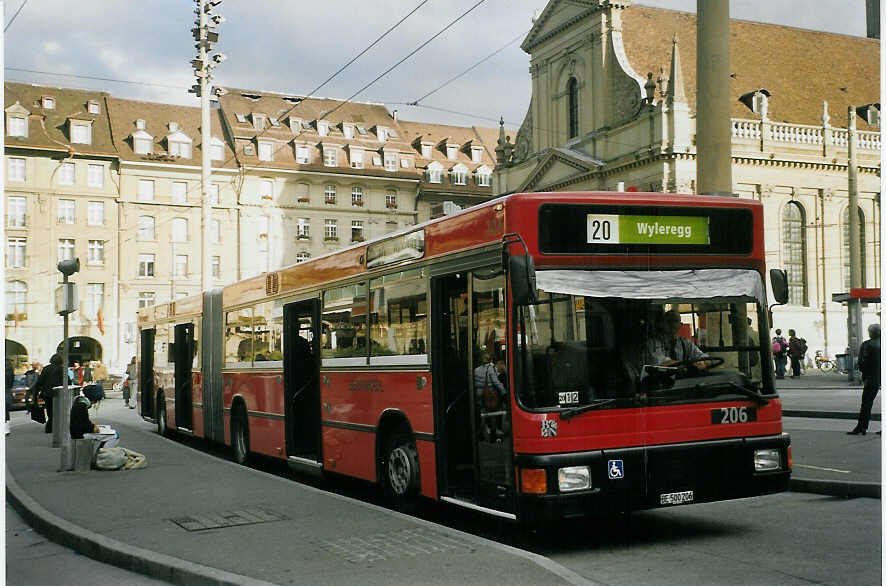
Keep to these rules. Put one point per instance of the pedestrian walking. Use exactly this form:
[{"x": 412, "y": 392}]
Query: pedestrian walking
[
  {"x": 796, "y": 351},
  {"x": 869, "y": 365},
  {"x": 52, "y": 376},
  {"x": 779, "y": 353},
  {"x": 131, "y": 371}
]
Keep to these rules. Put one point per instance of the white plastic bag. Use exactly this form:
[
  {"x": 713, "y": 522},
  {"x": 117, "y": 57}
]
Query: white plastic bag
[{"x": 110, "y": 458}]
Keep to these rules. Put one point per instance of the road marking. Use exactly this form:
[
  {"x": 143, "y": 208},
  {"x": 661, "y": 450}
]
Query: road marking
[{"x": 822, "y": 468}]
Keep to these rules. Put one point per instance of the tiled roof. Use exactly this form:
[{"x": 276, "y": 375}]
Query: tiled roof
[
  {"x": 441, "y": 134},
  {"x": 157, "y": 117},
  {"x": 49, "y": 128},
  {"x": 800, "y": 68}
]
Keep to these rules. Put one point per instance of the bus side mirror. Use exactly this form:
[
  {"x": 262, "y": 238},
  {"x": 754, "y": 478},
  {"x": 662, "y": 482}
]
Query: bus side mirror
[
  {"x": 779, "y": 280},
  {"x": 522, "y": 270}
]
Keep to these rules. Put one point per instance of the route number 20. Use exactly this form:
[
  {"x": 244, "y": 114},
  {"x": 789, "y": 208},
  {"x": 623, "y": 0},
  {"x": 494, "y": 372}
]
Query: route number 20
[{"x": 601, "y": 230}]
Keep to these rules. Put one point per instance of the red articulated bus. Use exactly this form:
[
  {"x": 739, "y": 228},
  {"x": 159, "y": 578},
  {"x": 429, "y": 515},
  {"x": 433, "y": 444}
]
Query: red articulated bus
[{"x": 540, "y": 356}]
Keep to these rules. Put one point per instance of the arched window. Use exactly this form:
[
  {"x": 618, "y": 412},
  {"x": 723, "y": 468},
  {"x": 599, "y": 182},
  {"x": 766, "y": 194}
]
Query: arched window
[
  {"x": 844, "y": 223},
  {"x": 16, "y": 300},
  {"x": 793, "y": 221},
  {"x": 572, "y": 91}
]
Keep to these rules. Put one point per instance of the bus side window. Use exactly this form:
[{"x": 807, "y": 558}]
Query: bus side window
[{"x": 238, "y": 338}]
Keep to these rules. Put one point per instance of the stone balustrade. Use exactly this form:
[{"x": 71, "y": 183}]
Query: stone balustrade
[{"x": 802, "y": 135}]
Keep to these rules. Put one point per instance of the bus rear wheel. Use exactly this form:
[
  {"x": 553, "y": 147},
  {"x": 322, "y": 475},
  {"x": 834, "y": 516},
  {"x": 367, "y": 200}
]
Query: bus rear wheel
[
  {"x": 400, "y": 472},
  {"x": 240, "y": 436},
  {"x": 161, "y": 415}
]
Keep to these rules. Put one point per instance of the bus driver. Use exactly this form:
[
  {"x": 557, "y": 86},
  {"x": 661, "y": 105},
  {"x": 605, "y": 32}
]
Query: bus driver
[{"x": 667, "y": 348}]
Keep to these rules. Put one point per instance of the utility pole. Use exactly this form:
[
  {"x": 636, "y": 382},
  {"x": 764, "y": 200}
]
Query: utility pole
[{"x": 203, "y": 66}]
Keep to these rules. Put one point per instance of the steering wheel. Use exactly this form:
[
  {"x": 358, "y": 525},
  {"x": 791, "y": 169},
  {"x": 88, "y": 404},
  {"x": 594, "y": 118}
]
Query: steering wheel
[{"x": 693, "y": 369}]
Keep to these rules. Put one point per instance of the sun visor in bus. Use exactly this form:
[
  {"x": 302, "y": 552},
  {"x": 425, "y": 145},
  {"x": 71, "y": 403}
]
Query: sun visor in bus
[{"x": 682, "y": 284}]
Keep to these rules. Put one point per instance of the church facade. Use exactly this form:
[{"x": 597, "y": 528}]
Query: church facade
[{"x": 613, "y": 108}]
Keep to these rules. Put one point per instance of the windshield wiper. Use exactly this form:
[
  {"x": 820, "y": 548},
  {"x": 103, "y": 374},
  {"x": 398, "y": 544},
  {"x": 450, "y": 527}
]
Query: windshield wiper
[
  {"x": 760, "y": 399},
  {"x": 570, "y": 413}
]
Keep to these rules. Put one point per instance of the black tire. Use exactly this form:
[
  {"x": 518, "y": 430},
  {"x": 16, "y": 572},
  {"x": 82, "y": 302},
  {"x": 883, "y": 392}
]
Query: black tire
[
  {"x": 400, "y": 471},
  {"x": 240, "y": 436},
  {"x": 162, "y": 428}
]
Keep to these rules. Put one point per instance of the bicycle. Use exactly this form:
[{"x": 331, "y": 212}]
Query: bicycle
[{"x": 823, "y": 363}]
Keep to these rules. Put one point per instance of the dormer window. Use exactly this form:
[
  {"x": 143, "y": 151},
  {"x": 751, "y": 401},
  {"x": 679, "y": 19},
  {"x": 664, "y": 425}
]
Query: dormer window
[
  {"x": 81, "y": 131},
  {"x": 451, "y": 151},
  {"x": 382, "y": 133},
  {"x": 274, "y": 122},
  {"x": 361, "y": 130},
  {"x": 173, "y": 126},
  {"x": 258, "y": 121},
  {"x": 348, "y": 130},
  {"x": 294, "y": 124},
  {"x": 426, "y": 149},
  {"x": 216, "y": 149},
  {"x": 329, "y": 157},
  {"x": 16, "y": 125},
  {"x": 322, "y": 128},
  {"x": 484, "y": 176},
  {"x": 142, "y": 142},
  {"x": 302, "y": 154},
  {"x": 241, "y": 118},
  {"x": 459, "y": 175},
  {"x": 356, "y": 157},
  {"x": 249, "y": 150},
  {"x": 435, "y": 173},
  {"x": 93, "y": 107},
  {"x": 48, "y": 103},
  {"x": 476, "y": 154},
  {"x": 391, "y": 162},
  {"x": 140, "y": 124},
  {"x": 265, "y": 151}
]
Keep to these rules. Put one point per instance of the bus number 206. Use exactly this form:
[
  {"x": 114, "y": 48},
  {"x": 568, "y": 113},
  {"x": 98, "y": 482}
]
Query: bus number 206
[{"x": 733, "y": 415}]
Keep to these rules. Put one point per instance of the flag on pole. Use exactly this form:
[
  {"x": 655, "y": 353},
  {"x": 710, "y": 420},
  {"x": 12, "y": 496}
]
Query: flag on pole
[{"x": 101, "y": 321}]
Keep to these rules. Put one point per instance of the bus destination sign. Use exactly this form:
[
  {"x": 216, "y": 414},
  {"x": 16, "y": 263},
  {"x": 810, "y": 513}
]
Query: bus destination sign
[{"x": 640, "y": 229}]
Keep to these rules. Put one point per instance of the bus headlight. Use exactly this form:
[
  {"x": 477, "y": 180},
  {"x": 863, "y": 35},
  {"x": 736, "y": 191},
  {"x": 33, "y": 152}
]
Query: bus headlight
[
  {"x": 765, "y": 460},
  {"x": 574, "y": 478}
]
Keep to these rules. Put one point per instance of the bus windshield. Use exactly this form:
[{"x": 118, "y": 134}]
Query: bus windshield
[{"x": 654, "y": 339}]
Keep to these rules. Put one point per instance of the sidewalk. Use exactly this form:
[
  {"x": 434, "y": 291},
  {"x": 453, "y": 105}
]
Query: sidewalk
[{"x": 191, "y": 518}]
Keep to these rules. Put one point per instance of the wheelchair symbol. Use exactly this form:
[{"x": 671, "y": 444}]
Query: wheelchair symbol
[{"x": 616, "y": 469}]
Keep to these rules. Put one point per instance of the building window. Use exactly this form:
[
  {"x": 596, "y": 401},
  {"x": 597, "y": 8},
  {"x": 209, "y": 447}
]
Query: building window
[
  {"x": 435, "y": 173},
  {"x": 862, "y": 260},
  {"x": 95, "y": 213},
  {"x": 302, "y": 256},
  {"x": 391, "y": 162},
  {"x": 330, "y": 229},
  {"x": 302, "y": 192},
  {"x": 16, "y": 210},
  {"x": 16, "y": 126},
  {"x": 15, "y": 252},
  {"x": 65, "y": 249},
  {"x": 476, "y": 155},
  {"x": 451, "y": 151},
  {"x": 145, "y": 190},
  {"x": 16, "y": 300},
  {"x": 265, "y": 151},
  {"x": 95, "y": 176},
  {"x": 348, "y": 130},
  {"x": 322, "y": 128},
  {"x": 356, "y": 158},
  {"x": 15, "y": 169},
  {"x": 179, "y": 229},
  {"x": 382, "y": 133},
  {"x": 216, "y": 151},
  {"x": 793, "y": 223},
  {"x": 95, "y": 298},
  {"x": 66, "y": 211},
  {"x": 66, "y": 174},
  {"x": 357, "y": 196},
  {"x": 81, "y": 133},
  {"x": 459, "y": 175},
  {"x": 180, "y": 149},
  {"x": 304, "y": 227},
  {"x": 391, "y": 200},
  {"x": 48, "y": 103},
  {"x": 356, "y": 230},
  {"x": 143, "y": 145},
  {"x": 146, "y": 265},
  {"x": 179, "y": 191},
  {"x": 329, "y": 157},
  {"x": 216, "y": 266},
  {"x": 213, "y": 194},
  {"x": 302, "y": 154},
  {"x": 146, "y": 299},
  {"x": 266, "y": 189},
  {"x": 329, "y": 194},
  {"x": 572, "y": 92},
  {"x": 426, "y": 150},
  {"x": 215, "y": 231},
  {"x": 181, "y": 265},
  {"x": 97, "y": 252},
  {"x": 146, "y": 228},
  {"x": 484, "y": 177},
  {"x": 93, "y": 107}
]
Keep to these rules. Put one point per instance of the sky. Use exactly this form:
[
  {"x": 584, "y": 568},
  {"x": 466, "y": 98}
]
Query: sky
[{"x": 279, "y": 45}]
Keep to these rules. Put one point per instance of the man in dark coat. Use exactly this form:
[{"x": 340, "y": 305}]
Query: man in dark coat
[
  {"x": 796, "y": 351},
  {"x": 869, "y": 365},
  {"x": 50, "y": 378}
]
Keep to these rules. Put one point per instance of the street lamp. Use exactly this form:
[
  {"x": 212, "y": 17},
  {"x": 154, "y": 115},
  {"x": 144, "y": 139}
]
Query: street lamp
[
  {"x": 66, "y": 303},
  {"x": 203, "y": 65},
  {"x": 871, "y": 114}
]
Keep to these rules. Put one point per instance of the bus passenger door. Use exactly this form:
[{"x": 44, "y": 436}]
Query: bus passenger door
[
  {"x": 146, "y": 373},
  {"x": 301, "y": 377},
  {"x": 183, "y": 356}
]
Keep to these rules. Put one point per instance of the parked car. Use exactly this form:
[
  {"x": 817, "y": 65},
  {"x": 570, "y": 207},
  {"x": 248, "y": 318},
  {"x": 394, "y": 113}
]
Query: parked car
[{"x": 19, "y": 391}]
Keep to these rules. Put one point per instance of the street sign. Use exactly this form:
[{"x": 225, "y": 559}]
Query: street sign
[{"x": 66, "y": 298}]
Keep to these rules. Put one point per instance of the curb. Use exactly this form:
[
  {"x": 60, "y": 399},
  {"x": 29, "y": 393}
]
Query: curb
[
  {"x": 110, "y": 551},
  {"x": 837, "y": 488},
  {"x": 825, "y": 414}
]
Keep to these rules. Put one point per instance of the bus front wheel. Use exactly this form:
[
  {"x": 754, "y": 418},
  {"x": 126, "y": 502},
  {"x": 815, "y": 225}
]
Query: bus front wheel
[
  {"x": 240, "y": 436},
  {"x": 400, "y": 471}
]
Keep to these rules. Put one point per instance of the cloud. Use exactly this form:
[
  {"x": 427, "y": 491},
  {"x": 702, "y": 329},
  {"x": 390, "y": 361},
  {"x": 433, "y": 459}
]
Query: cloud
[{"x": 52, "y": 47}]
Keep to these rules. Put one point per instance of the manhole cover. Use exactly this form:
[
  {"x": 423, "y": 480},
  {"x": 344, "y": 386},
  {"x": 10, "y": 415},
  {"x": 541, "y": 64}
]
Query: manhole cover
[
  {"x": 392, "y": 545},
  {"x": 226, "y": 519}
]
